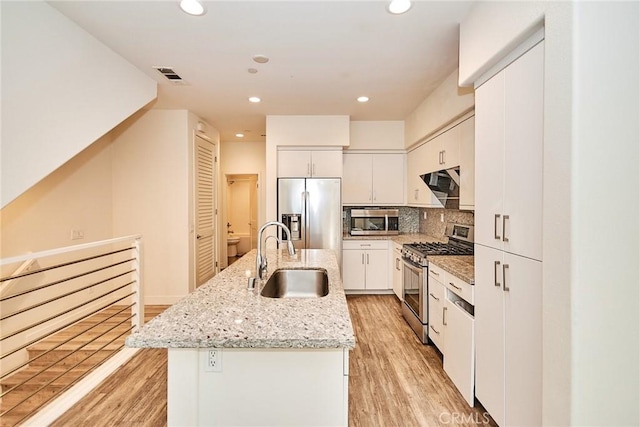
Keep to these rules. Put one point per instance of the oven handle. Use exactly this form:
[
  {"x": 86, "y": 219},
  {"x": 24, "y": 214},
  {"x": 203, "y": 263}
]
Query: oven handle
[{"x": 411, "y": 266}]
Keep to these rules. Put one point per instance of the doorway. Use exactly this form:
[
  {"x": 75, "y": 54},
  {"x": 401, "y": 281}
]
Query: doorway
[
  {"x": 242, "y": 215},
  {"x": 205, "y": 172}
]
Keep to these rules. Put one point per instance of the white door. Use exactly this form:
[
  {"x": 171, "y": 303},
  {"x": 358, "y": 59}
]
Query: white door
[
  {"x": 294, "y": 164},
  {"x": 205, "y": 205},
  {"x": 356, "y": 179},
  {"x": 353, "y": 265},
  {"x": 388, "y": 178},
  {"x": 489, "y": 331},
  {"x": 459, "y": 350},
  {"x": 523, "y": 340},
  {"x": 377, "y": 269},
  {"x": 326, "y": 164},
  {"x": 524, "y": 89},
  {"x": 489, "y": 162}
]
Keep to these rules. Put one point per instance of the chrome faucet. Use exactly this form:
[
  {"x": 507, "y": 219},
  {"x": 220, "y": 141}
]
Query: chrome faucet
[{"x": 261, "y": 260}]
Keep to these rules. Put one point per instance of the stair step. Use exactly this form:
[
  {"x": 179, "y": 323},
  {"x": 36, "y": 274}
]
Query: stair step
[
  {"x": 43, "y": 377},
  {"x": 73, "y": 355},
  {"x": 69, "y": 357}
]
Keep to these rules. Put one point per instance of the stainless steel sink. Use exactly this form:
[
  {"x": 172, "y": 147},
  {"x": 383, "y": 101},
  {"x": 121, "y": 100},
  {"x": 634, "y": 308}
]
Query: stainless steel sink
[{"x": 297, "y": 283}]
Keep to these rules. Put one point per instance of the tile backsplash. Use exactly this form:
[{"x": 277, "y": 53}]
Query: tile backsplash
[{"x": 434, "y": 224}]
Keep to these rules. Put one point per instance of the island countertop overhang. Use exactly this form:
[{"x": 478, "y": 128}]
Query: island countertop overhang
[{"x": 223, "y": 313}]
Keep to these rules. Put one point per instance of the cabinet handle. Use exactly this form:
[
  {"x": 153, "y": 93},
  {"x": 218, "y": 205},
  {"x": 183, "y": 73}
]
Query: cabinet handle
[
  {"x": 374, "y": 196},
  {"x": 434, "y": 330},
  {"x": 444, "y": 156},
  {"x": 309, "y": 169},
  {"x": 362, "y": 258},
  {"x": 434, "y": 297},
  {"x": 313, "y": 169},
  {"x": 415, "y": 194},
  {"x": 444, "y": 320},
  {"x": 504, "y": 228},
  {"x": 505, "y": 267},
  {"x": 496, "y": 218},
  {"x": 455, "y": 286},
  {"x": 439, "y": 157},
  {"x": 367, "y": 259},
  {"x": 362, "y": 245},
  {"x": 398, "y": 264},
  {"x": 433, "y": 272},
  {"x": 496, "y": 264}
]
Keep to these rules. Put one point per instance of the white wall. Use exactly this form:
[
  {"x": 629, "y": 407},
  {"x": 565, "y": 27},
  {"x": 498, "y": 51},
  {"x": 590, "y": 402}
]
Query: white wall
[
  {"x": 606, "y": 285},
  {"x": 151, "y": 197},
  {"x": 446, "y": 103},
  {"x": 376, "y": 135},
  {"x": 61, "y": 91},
  {"x": 77, "y": 196},
  {"x": 590, "y": 319},
  {"x": 298, "y": 131}
]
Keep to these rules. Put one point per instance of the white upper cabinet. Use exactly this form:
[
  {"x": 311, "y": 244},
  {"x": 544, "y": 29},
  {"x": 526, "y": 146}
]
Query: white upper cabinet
[
  {"x": 418, "y": 194},
  {"x": 467, "y": 164},
  {"x": 443, "y": 151},
  {"x": 310, "y": 164},
  {"x": 373, "y": 179},
  {"x": 508, "y": 158}
]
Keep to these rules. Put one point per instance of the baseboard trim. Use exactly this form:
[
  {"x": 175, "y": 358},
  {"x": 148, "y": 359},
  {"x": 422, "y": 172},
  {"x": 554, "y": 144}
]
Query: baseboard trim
[{"x": 66, "y": 400}]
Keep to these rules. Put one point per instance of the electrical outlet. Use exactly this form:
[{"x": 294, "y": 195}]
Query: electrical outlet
[
  {"x": 441, "y": 217},
  {"x": 213, "y": 360},
  {"x": 424, "y": 215}
]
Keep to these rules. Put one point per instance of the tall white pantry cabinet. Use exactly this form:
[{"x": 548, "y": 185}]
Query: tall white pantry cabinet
[{"x": 508, "y": 250}]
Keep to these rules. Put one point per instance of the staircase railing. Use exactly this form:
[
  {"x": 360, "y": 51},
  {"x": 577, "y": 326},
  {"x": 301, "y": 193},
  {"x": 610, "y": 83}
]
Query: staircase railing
[{"x": 94, "y": 287}]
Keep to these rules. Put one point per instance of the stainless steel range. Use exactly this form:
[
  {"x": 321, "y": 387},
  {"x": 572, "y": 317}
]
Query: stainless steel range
[{"x": 415, "y": 277}]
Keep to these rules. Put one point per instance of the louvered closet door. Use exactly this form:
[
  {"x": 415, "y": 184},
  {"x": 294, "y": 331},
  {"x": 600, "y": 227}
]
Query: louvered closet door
[{"x": 205, "y": 210}]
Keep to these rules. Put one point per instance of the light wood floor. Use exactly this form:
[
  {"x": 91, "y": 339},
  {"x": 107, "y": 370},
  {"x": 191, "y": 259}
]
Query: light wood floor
[{"x": 394, "y": 380}]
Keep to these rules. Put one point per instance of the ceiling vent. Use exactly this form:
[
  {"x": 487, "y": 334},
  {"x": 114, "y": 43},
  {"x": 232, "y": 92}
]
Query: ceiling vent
[{"x": 171, "y": 76}]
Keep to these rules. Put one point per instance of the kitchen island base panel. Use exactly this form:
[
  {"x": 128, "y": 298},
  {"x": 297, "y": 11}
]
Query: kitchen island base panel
[{"x": 284, "y": 387}]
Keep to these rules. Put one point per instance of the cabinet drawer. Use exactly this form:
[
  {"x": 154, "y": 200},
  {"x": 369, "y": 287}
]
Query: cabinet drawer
[
  {"x": 365, "y": 244},
  {"x": 461, "y": 288},
  {"x": 436, "y": 273}
]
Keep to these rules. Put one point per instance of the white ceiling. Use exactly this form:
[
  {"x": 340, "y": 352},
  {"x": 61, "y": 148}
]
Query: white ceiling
[{"x": 323, "y": 54}]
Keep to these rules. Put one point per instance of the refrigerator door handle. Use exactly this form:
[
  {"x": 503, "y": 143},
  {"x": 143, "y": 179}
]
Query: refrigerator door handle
[{"x": 307, "y": 234}]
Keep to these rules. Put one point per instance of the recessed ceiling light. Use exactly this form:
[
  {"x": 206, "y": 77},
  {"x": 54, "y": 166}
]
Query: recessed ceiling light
[
  {"x": 240, "y": 135},
  {"x": 260, "y": 59},
  {"x": 192, "y": 7},
  {"x": 252, "y": 70},
  {"x": 254, "y": 99},
  {"x": 363, "y": 99},
  {"x": 399, "y": 6}
]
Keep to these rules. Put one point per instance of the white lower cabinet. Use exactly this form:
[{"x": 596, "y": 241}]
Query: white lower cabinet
[
  {"x": 451, "y": 327},
  {"x": 508, "y": 336},
  {"x": 365, "y": 265},
  {"x": 396, "y": 270},
  {"x": 459, "y": 347}
]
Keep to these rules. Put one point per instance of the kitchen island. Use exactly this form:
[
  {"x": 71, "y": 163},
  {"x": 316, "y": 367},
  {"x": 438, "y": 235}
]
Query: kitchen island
[{"x": 238, "y": 358}]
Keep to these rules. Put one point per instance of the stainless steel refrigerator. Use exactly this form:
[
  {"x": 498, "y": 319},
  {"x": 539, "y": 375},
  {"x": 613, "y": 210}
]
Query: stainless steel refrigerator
[{"x": 312, "y": 209}]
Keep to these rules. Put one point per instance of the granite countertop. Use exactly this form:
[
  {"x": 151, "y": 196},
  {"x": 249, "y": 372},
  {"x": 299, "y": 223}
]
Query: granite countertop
[
  {"x": 460, "y": 266},
  {"x": 224, "y": 314}
]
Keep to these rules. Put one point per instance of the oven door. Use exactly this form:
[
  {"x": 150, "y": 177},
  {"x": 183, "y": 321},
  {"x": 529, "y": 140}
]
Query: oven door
[{"x": 412, "y": 284}]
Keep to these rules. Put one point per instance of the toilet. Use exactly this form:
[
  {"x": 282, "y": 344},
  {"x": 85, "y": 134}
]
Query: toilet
[{"x": 232, "y": 246}]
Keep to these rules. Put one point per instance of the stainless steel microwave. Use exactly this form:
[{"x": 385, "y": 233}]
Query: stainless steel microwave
[{"x": 374, "y": 222}]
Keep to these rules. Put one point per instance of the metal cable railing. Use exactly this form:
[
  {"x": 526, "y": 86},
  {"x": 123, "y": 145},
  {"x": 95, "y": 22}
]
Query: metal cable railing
[{"x": 78, "y": 298}]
